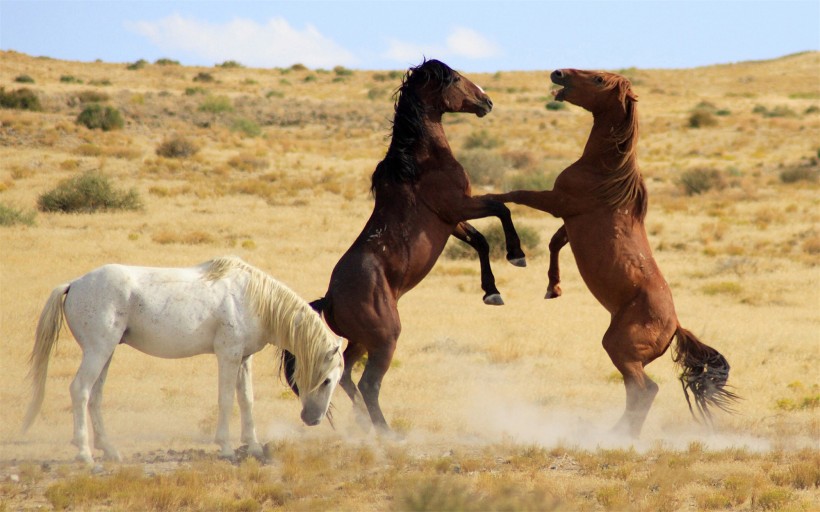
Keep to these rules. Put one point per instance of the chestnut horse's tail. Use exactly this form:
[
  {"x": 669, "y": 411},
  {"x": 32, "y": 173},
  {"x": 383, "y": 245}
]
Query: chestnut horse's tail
[
  {"x": 288, "y": 362},
  {"x": 704, "y": 373},
  {"x": 45, "y": 338}
]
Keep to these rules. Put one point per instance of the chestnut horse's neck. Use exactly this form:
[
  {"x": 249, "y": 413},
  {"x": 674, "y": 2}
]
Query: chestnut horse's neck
[{"x": 612, "y": 150}]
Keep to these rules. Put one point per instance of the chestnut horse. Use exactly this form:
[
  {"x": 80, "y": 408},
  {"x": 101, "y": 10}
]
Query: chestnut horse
[
  {"x": 422, "y": 197},
  {"x": 602, "y": 200}
]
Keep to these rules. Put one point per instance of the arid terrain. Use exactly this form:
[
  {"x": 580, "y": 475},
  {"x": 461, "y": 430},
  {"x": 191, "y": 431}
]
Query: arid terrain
[{"x": 498, "y": 408}]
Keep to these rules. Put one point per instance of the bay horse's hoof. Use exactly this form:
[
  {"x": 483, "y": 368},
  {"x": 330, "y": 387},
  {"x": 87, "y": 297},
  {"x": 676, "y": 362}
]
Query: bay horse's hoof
[
  {"x": 518, "y": 262},
  {"x": 494, "y": 300}
]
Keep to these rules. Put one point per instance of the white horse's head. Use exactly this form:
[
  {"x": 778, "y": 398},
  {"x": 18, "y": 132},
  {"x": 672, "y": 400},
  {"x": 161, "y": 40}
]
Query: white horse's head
[{"x": 321, "y": 381}]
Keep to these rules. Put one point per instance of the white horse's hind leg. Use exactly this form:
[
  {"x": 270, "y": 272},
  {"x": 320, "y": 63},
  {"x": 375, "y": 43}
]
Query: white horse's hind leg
[
  {"x": 244, "y": 394},
  {"x": 228, "y": 372},
  {"x": 87, "y": 375},
  {"x": 101, "y": 441}
]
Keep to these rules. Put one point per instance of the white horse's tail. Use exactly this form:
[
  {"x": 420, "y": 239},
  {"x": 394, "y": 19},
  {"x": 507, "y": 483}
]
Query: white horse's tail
[{"x": 48, "y": 329}]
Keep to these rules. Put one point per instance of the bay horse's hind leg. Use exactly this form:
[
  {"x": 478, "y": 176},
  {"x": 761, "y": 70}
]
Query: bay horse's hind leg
[
  {"x": 101, "y": 441},
  {"x": 557, "y": 242},
  {"x": 244, "y": 395},
  {"x": 378, "y": 361},
  {"x": 352, "y": 354},
  {"x": 472, "y": 237}
]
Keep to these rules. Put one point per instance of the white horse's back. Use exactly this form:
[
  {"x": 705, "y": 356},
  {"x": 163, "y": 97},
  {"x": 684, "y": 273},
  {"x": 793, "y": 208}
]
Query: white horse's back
[{"x": 163, "y": 312}]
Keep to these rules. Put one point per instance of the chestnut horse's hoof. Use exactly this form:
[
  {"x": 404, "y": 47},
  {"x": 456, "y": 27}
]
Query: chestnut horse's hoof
[
  {"x": 493, "y": 300},
  {"x": 553, "y": 292},
  {"x": 518, "y": 262}
]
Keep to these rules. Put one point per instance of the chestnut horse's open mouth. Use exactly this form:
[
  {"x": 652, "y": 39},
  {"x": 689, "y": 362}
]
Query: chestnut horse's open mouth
[{"x": 559, "y": 94}]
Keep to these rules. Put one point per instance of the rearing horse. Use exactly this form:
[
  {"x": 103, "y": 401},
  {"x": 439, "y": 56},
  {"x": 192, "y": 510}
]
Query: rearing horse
[
  {"x": 602, "y": 200},
  {"x": 422, "y": 197}
]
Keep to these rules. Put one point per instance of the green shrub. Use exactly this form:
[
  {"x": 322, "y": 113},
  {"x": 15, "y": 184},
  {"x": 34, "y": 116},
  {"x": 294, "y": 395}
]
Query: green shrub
[
  {"x": 481, "y": 139},
  {"x": 96, "y": 116},
  {"x": 190, "y": 91},
  {"x": 230, "y": 64},
  {"x": 176, "y": 147},
  {"x": 137, "y": 65},
  {"x": 10, "y": 216},
  {"x": 87, "y": 193},
  {"x": 342, "y": 71},
  {"x": 100, "y": 82},
  {"x": 166, "y": 62},
  {"x": 21, "y": 99},
  {"x": 247, "y": 127},
  {"x": 298, "y": 67},
  {"x": 484, "y": 166},
  {"x": 555, "y": 105},
  {"x": 700, "y": 180},
  {"x": 310, "y": 78},
  {"x": 530, "y": 239},
  {"x": 24, "y": 79},
  {"x": 216, "y": 105},
  {"x": 274, "y": 94},
  {"x": 70, "y": 79}
]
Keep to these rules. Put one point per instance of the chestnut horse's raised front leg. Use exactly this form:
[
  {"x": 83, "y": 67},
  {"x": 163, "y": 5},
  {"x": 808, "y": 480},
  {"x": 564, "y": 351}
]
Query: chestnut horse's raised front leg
[
  {"x": 472, "y": 237},
  {"x": 558, "y": 241}
]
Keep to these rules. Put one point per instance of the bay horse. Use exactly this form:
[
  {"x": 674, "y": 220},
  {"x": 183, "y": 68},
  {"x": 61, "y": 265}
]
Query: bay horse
[
  {"x": 422, "y": 197},
  {"x": 224, "y": 307},
  {"x": 603, "y": 200}
]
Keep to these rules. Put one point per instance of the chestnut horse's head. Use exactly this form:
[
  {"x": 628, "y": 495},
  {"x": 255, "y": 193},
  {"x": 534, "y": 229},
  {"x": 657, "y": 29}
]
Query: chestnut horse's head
[
  {"x": 596, "y": 91},
  {"x": 440, "y": 87}
]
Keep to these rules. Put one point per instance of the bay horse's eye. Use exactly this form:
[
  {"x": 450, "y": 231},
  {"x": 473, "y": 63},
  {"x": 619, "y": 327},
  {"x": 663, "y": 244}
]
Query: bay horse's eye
[{"x": 599, "y": 79}]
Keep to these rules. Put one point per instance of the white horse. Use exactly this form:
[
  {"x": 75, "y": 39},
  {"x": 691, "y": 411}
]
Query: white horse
[{"x": 224, "y": 307}]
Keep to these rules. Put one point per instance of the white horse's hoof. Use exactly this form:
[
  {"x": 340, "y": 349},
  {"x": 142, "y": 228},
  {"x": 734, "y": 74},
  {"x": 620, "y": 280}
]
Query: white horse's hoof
[
  {"x": 494, "y": 300},
  {"x": 113, "y": 455},
  {"x": 518, "y": 262},
  {"x": 85, "y": 458}
]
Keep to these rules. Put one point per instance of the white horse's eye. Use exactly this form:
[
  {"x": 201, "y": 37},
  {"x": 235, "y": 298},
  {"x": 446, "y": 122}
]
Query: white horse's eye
[{"x": 326, "y": 382}]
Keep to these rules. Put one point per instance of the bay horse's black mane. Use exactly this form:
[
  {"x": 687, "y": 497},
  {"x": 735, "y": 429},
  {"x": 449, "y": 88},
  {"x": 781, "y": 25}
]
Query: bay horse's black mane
[{"x": 398, "y": 165}]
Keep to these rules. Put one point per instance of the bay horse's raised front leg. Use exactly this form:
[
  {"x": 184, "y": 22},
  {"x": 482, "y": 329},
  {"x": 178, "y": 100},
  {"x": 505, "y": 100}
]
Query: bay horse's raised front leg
[
  {"x": 557, "y": 242},
  {"x": 472, "y": 237},
  {"x": 479, "y": 207}
]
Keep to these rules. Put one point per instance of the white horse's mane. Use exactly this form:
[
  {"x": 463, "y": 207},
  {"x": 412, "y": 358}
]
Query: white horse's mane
[{"x": 284, "y": 315}]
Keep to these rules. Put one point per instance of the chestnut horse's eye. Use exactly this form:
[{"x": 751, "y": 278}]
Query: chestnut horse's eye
[{"x": 599, "y": 79}]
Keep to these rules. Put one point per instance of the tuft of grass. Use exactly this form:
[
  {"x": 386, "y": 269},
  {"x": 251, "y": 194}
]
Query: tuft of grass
[
  {"x": 699, "y": 180},
  {"x": 702, "y": 118},
  {"x": 92, "y": 97},
  {"x": 204, "y": 77},
  {"x": 247, "y": 127},
  {"x": 88, "y": 193},
  {"x": 484, "y": 166},
  {"x": 137, "y": 65},
  {"x": 70, "y": 79},
  {"x": 186, "y": 238},
  {"x": 481, "y": 140},
  {"x": 555, "y": 105},
  {"x": 96, "y": 116},
  {"x": 164, "y": 61},
  {"x": 722, "y": 288},
  {"x": 230, "y": 64},
  {"x": 24, "y": 79},
  {"x": 10, "y": 216}
]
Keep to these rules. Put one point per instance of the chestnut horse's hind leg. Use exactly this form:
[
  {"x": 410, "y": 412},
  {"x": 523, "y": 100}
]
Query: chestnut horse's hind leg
[
  {"x": 378, "y": 362},
  {"x": 472, "y": 237},
  {"x": 558, "y": 241},
  {"x": 353, "y": 353}
]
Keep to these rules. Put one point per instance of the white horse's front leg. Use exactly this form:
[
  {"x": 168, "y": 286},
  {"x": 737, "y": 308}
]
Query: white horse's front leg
[
  {"x": 228, "y": 370},
  {"x": 244, "y": 394}
]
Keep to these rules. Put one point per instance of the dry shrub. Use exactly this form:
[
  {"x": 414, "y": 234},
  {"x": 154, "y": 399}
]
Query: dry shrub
[
  {"x": 484, "y": 166},
  {"x": 248, "y": 162},
  {"x": 186, "y": 238},
  {"x": 700, "y": 180},
  {"x": 90, "y": 192},
  {"x": 177, "y": 146},
  {"x": 21, "y": 99}
]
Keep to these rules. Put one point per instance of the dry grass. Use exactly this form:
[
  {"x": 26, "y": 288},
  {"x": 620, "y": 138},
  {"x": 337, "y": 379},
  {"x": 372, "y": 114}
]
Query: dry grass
[{"x": 501, "y": 408}]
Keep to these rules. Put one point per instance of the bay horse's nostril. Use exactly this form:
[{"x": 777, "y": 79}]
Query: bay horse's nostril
[
  {"x": 489, "y": 102},
  {"x": 557, "y": 74}
]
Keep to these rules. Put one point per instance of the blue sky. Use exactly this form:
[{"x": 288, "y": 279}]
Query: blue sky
[{"x": 477, "y": 36}]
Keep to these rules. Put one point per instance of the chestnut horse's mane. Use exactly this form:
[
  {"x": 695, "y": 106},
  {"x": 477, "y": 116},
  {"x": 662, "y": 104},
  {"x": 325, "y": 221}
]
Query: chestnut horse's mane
[
  {"x": 624, "y": 185},
  {"x": 399, "y": 165}
]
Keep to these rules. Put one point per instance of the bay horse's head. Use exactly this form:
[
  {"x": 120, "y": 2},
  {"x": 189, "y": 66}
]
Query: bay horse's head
[
  {"x": 596, "y": 91},
  {"x": 445, "y": 90}
]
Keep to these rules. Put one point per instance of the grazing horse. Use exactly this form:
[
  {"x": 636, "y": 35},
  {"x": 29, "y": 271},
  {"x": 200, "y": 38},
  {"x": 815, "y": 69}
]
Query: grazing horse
[
  {"x": 223, "y": 307},
  {"x": 602, "y": 200},
  {"x": 422, "y": 197}
]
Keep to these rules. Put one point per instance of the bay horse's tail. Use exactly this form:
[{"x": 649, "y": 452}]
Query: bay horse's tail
[
  {"x": 288, "y": 362},
  {"x": 48, "y": 329},
  {"x": 704, "y": 372}
]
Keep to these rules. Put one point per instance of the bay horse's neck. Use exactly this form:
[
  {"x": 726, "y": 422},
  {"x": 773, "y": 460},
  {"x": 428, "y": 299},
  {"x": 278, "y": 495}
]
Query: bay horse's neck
[{"x": 433, "y": 143}]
